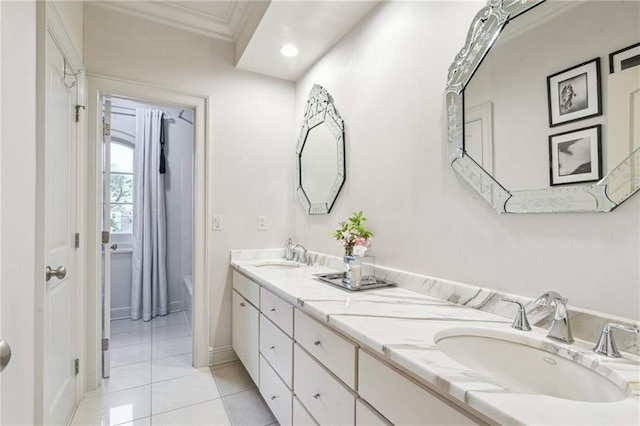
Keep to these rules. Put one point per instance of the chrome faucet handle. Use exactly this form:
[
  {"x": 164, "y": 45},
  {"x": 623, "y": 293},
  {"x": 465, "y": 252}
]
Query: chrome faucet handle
[
  {"x": 606, "y": 345},
  {"x": 560, "y": 328},
  {"x": 520, "y": 322},
  {"x": 546, "y": 299},
  {"x": 302, "y": 257}
]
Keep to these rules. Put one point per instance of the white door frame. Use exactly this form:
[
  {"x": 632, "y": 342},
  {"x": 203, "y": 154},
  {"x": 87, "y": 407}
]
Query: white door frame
[{"x": 100, "y": 86}]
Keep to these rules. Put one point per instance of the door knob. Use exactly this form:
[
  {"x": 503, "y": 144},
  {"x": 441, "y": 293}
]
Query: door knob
[
  {"x": 114, "y": 247},
  {"x": 5, "y": 354},
  {"x": 59, "y": 273}
]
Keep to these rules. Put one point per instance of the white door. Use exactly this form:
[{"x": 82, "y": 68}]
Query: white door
[
  {"x": 106, "y": 228},
  {"x": 60, "y": 299},
  {"x": 623, "y": 127}
]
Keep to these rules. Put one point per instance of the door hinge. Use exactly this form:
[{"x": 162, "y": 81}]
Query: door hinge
[
  {"x": 77, "y": 240},
  {"x": 105, "y": 344},
  {"x": 105, "y": 237},
  {"x": 106, "y": 129},
  {"x": 76, "y": 366},
  {"x": 78, "y": 112}
]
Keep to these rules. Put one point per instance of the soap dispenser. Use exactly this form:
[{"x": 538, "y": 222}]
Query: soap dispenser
[{"x": 288, "y": 250}]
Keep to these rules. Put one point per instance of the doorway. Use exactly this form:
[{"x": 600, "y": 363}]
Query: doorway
[
  {"x": 147, "y": 289},
  {"x": 186, "y": 109}
]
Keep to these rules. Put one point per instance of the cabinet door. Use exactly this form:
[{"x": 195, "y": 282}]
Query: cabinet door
[
  {"x": 332, "y": 350},
  {"x": 277, "y": 310},
  {"x": 247, "y": 288},
  {"x": 328, "y": 400},
  {"x": 277, "y": 348},
  {"x": 244, "y": 333},
  {"x": 275, "y": 393},
  {"x": 301, "y": 416},
  {"x": 401, "y": 400},
  {"x": 367, "y": 416}
]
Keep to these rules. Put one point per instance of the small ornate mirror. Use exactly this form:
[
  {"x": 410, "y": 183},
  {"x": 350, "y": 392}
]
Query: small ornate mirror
[
  {"x": 514, "y": 137},
  {"x": 320, "y": 153}
]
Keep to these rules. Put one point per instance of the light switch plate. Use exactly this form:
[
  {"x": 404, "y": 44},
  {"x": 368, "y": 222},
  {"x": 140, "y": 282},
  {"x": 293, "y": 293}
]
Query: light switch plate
[{"x": 217, "y": 223}]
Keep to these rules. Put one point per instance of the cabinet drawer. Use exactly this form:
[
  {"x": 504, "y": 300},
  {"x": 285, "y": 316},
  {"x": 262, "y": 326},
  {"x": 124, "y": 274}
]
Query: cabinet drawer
[
  {"x": 328, "y": 400},
  {"x": 277, "y": 310},
  {"x": 402, "y": 401},
  {"x": 367, "y": 416},
  {"x": 301, "y": 416},
  {"x": 245, "y": 327},
  {"x": 275, "y": 393},
  {"x": 277, "y": 348},
  {"x": 247, "y": 288},
  {"x": 332, "y": 350}
]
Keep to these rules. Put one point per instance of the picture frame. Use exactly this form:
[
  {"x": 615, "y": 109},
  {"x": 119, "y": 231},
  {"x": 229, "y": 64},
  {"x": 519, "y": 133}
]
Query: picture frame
[
  {"x": 574, "y": 93},
  {"x": 624, "y": 58},
  {"x": 575, "y": 156}
]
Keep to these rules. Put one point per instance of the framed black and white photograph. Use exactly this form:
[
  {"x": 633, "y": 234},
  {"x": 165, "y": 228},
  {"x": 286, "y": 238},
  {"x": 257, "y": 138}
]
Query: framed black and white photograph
[
  {"x": 624, "y": 58},
  {"x": 574, "y": 93},
  {"x": 575, "y": 156}
]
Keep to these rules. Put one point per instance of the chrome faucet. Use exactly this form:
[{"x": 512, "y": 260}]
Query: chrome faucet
[
  {"x": 288, "y": 250},
  {"x": 520, "y": 322},
  {"x": 560, "y": 327},
  {"x": 606, "y": 345},
  {"x": 301, "y": 257}
]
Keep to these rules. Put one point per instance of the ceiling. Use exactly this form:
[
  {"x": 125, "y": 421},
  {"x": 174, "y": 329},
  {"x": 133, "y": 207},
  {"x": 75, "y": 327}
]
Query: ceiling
[{"x": 259, "y": 28}]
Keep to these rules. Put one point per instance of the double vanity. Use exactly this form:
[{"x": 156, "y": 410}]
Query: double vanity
[{"x": 409, "y": 355}]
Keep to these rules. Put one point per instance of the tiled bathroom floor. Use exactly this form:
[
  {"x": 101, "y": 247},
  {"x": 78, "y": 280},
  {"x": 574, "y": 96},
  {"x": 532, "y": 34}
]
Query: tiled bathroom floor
[{"x": 153, "y": 383}]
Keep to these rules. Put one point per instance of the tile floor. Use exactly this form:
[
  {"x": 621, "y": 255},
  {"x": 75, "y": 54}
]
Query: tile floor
[{"x": 153, "y": 383}]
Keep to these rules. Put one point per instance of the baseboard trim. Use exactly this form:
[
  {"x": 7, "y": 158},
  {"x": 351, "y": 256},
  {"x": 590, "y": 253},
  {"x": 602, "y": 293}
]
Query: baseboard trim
[
  {"x": 221, "y": 355},
  {"x": 125, "y": 313},
  {"x": 121, "y": 313}
]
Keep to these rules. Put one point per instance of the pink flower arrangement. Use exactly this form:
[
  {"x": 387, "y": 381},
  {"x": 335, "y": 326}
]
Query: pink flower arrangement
[{"x": 353, "y": 234}]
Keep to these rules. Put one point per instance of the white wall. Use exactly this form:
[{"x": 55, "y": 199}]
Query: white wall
[
  {"x": 387, "y": 77},
  {"x": 70, "y": 13},
  {"x": 18, "y": 209},
  {"x": 250, "y": 134}
]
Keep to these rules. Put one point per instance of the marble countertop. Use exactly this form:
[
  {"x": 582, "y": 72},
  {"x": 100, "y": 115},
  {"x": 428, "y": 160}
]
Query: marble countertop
[{"x": 400, "y": 325}]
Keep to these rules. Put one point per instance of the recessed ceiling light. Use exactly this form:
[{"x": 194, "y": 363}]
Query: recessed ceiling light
[{"x": 289, "y": 50}]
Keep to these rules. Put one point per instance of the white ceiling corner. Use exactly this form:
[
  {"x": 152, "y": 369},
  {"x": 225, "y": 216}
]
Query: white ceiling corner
[
  {"x": 258, "y": 27},
  {"x": 220, "y": 19}
]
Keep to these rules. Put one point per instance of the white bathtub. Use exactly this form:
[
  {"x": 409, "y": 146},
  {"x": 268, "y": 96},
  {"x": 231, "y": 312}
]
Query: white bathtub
[{"x": 187, "y": 297}]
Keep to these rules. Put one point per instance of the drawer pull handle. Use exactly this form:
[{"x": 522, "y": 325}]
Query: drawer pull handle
[
  {"x": 316, "y": 342},
  {"x": 315, "y": 395},
  {"x": 273, "y": 397},
  {"x": 242, "y": 304},
  {"x": 272, "y": 309},
  {"x": 272, "y": 347}
]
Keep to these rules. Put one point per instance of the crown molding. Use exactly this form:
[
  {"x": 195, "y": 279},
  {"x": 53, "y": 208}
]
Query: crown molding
[{"x": 177, "y": 16}]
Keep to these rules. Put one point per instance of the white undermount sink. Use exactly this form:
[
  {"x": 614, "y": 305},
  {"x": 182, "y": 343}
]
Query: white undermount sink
[
  {"x": 278, "y": 264},
  {"x": 514, "y": 359}
]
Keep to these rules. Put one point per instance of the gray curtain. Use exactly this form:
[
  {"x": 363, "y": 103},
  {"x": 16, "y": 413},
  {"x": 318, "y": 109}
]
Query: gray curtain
[{"x": 149, "y": 281}]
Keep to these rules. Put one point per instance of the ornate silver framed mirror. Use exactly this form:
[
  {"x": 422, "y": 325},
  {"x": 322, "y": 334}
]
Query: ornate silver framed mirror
[
  {"x": 320, "y": 161},
  {"x": 499, "y": 136}
]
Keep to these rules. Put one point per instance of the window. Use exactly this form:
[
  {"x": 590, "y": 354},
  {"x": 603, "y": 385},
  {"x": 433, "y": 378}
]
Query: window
[{"x": 121, "y": 188}]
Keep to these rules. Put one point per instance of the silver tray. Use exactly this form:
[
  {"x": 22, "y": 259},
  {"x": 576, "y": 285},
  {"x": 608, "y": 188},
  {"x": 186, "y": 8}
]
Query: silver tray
[{"x": 338, "y": 279}]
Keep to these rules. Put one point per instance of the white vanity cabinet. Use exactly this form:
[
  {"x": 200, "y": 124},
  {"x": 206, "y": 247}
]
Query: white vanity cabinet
[
  {"x": 328, "y": 400},
  {"x": 276, "y": 355},
  {"x": 245, "y": 326},
  {"x": 331, "y": 349},
  {"x": 324, "y": 372},
  {"x": 402, "y": 401},
  {"x": 367, "y": 416},
  {"x": 310, "y": 374}
]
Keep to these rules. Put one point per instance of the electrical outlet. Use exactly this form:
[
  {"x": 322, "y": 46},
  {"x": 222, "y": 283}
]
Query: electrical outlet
[
  {"x": 262, "y": 223},
  {"x": 217, "y": 223}
]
